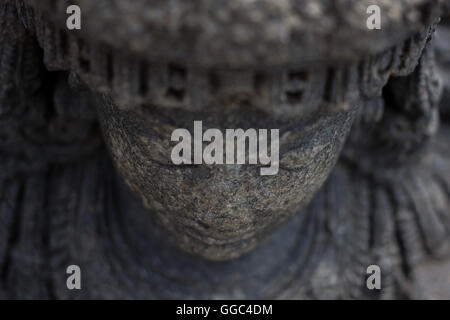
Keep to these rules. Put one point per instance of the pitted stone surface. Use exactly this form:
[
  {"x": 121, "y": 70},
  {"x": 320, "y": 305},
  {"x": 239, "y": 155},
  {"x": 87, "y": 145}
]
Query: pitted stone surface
[{"x": 242, "y": 34}]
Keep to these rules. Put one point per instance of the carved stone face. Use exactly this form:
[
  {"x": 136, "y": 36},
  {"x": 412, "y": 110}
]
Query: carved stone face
[
  {"x": 222, "y": 211},
  {"x": 232, "y": 64}
]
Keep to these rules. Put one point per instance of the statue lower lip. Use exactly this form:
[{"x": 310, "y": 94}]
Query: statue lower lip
[{"x": 263, "y": 147}]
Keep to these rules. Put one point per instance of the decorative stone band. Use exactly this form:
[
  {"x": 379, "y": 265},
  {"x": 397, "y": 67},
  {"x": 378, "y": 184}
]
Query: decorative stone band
[
  {"x": 281, "y": 91},
  {"x": 245, "y": 34}
]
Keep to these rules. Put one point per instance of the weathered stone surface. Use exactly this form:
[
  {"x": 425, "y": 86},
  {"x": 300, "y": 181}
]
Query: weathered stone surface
[
  {"x": 240, "y": 34},
  {"x": 140, "y": 227}
]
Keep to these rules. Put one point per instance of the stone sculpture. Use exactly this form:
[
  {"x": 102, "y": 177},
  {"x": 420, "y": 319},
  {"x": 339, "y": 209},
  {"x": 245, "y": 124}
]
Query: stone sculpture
[{"x": 86, "y": 178}]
